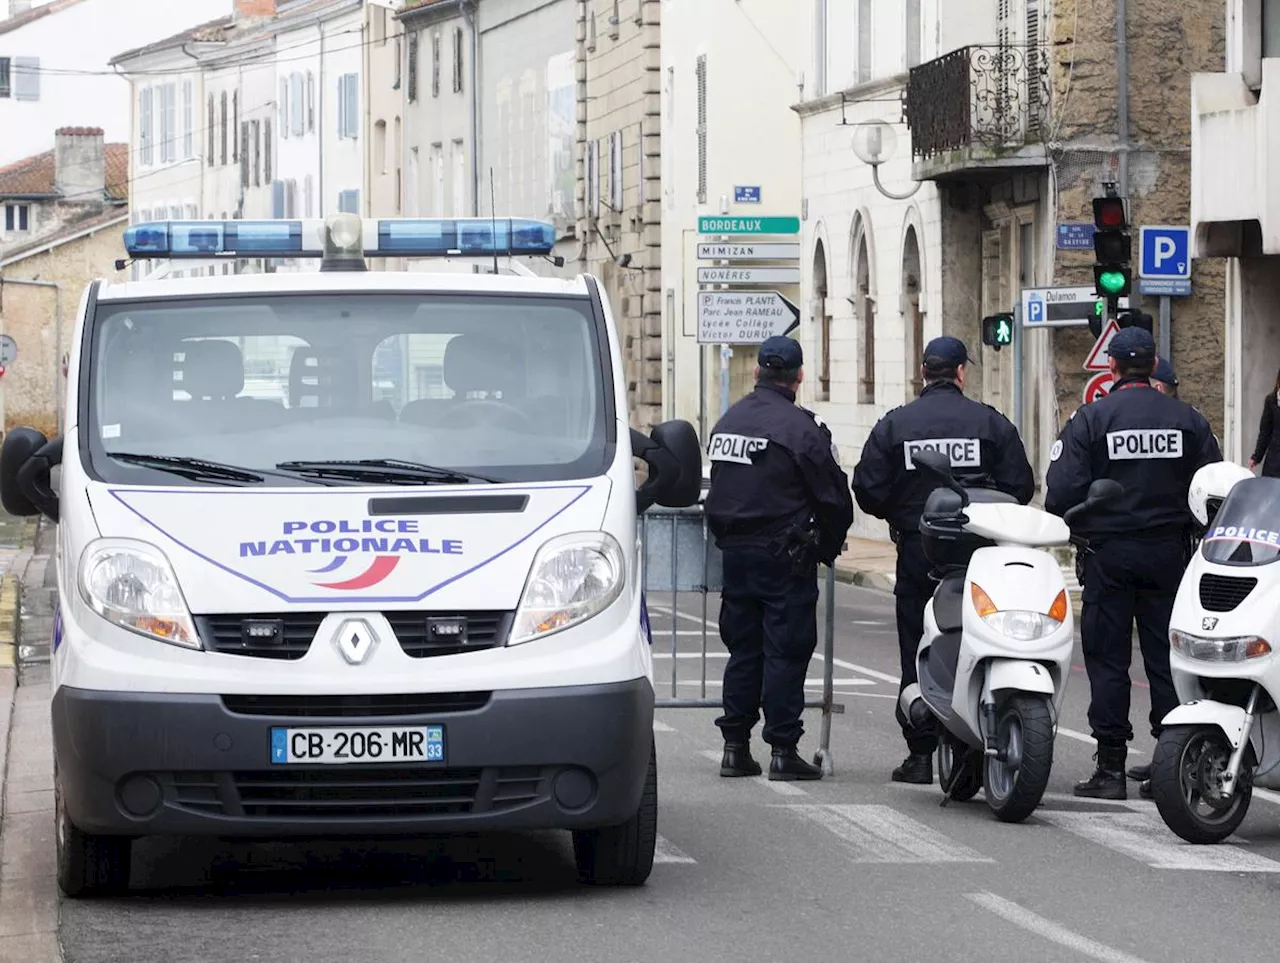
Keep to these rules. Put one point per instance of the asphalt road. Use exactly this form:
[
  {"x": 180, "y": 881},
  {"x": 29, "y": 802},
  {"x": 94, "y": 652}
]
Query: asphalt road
[{"x": 852, "y": 868}]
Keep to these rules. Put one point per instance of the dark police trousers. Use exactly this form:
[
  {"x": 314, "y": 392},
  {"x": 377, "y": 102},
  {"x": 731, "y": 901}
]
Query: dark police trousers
[
  {"x": 912, "y": 590},
  {"x": 1127, "y": 579},
  {"x": 769, "y": 624}
]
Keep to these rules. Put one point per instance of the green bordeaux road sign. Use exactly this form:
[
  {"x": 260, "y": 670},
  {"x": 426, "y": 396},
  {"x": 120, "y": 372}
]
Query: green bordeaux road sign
[{"x": 748, "y": 225}]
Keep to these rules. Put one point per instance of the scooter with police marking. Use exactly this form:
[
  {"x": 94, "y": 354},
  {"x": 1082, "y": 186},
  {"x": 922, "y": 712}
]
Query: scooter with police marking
[
  {"x": 1224, "y": 739},
  {"x": 993, "y": 662}
]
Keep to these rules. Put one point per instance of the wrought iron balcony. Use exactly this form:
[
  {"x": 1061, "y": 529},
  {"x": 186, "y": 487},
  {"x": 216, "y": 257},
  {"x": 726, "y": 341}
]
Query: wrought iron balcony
[{"x": 979, "y": 107}]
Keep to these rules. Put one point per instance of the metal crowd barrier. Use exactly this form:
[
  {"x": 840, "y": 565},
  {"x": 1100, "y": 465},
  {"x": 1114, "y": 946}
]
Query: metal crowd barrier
[{"x": 680, "y": 558}]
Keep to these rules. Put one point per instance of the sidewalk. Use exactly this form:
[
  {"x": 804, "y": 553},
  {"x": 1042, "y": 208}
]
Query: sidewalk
[{"x": 871, "y": 564}]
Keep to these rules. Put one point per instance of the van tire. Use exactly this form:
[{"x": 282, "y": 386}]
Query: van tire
[
  {"x": 622, "y": 855},
  {"x": 88, "y": 865}
]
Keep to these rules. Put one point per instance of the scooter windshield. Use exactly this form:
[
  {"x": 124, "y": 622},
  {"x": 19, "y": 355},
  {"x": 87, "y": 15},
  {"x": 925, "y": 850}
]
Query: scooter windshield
[{"x": 1246, "y": 530}]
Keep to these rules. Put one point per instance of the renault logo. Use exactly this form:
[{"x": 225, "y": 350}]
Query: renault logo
[{"x": 355, "y": 640}]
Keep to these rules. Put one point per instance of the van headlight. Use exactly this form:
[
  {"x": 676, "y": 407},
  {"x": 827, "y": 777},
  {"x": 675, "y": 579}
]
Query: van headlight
[
  {"x": 1236, "y": 649},
  {"x": 573, "y": 578},
  {"x": 132, "y": 585}
]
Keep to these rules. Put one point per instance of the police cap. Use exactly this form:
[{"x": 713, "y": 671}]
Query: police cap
[
  {"x": 1164, "y": 372},
  {"x": 1133, "y": 344},
  {"x": 943, "y": 354},
  {"x": 780, "y": 352}
]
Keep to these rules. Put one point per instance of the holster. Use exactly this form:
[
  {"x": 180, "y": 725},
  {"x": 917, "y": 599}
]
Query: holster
[{"x": 799, "y": 545}]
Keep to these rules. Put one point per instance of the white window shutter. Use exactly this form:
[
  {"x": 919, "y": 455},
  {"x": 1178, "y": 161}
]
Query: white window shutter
[{"x": 26, "y": 78}]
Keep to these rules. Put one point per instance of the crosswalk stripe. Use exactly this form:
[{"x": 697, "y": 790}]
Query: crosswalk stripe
[
  {"x": 1145, "y": 837},
  {"x": 661, "y": 727},
  {"x": 880, "y": 834},
  {"x": 1049, "y": 930},
  {"x": 665, "y": 851}
]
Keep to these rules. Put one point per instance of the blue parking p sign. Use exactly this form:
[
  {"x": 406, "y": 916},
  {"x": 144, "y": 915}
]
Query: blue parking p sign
[{"x": 1166, "y": 253}]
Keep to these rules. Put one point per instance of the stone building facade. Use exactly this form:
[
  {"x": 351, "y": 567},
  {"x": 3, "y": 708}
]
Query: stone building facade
[{"x": 618, "y": 161}]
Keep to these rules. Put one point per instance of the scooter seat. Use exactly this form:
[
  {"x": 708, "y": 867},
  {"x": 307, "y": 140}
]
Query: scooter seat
[{"x": 948, "y": 601}]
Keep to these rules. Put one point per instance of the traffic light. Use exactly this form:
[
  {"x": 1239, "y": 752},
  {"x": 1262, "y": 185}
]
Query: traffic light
[
  {"x": 1112, "y": 247},
  {"x": 997, "y": 331},
  {"x": 1136, "y": 319},
  {"x": 1098, "y": 318}
]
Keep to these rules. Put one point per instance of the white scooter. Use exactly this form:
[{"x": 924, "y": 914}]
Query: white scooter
[
  {"x": 1224, "y": 738},
  {"x": 995, "y": 656}
]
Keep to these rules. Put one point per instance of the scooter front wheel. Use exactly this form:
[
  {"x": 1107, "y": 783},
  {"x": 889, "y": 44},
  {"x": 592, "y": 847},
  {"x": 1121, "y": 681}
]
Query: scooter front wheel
[
  {"x": 1186, "y": 783},
  {"x": 1017, "y": 778}
]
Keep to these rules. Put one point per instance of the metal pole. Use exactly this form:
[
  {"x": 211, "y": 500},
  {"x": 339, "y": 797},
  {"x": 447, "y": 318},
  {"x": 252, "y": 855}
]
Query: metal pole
[
  {"x": 1017, "y": 367},
  {"x": 1166, "y": 333},
  {"x": 706, "y": 548},
  {"x": 675, "y": 600},
  {"x": 1122, "y": 93},
  {"x": 726, "y": 353},
  {"x": 828, "y": 673}
]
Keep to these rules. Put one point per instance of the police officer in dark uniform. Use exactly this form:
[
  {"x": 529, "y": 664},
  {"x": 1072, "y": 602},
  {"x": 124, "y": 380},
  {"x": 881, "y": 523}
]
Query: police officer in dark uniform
[
  {"x": 1163, "y": 378},
  {"x": 779, "y": 503},
  {"x": 1138, "y": 545},
  {"x": 984, "y": 448}
]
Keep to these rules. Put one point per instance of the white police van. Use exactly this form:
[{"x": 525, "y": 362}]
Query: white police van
[{"x": 396, "y": 588}]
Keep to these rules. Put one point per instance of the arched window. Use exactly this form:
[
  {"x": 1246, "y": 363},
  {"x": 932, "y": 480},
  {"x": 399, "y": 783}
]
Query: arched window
[
  {"x": 912, "y": 317},
  {"x": 864, "y": 312},
  {"x": 822, "y": 321}
]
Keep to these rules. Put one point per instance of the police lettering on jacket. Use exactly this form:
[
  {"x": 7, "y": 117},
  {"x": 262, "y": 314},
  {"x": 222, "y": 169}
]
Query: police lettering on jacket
[
  {"x": 773, "y": 464},
  {"x": 1151, "y": 443},
  {"x": 977, "y": 440}
]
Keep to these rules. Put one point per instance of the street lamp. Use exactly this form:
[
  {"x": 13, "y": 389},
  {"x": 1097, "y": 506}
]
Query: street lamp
[{"x": 874, "y": 143}]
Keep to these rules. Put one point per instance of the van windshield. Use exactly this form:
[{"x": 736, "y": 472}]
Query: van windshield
[
  {"x": 1246, "y": 530},
  {"x": 508, "y": 388}
]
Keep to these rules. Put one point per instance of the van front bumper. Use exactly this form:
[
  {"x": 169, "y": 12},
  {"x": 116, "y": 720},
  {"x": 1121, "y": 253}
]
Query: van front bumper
[{"x": 142, "y": 764}]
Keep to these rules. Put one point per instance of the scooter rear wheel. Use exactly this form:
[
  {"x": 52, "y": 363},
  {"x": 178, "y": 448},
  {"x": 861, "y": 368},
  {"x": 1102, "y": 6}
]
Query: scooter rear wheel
[
  {"x": 1024, "y": 736},
  {"x": 1186, "y": 783},
  {"x": 959, "y": 769}
]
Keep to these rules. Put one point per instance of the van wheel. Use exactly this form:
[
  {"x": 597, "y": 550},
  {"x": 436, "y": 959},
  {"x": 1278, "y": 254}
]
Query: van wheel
[
  {"x": 88, "y": 865},
  {"x": 622, "y": 855}
]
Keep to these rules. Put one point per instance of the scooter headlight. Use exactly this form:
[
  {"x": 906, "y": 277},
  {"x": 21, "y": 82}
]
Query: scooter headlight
[
  {"x": 1238, "y": 648},
  {"x": 1021, "y": 625}
]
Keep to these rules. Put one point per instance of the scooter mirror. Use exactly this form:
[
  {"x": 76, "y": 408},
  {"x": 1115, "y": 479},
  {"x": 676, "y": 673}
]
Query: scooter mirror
[
  {"x": 938, "y": 465},
  {"x": 1104, "y": 490}
]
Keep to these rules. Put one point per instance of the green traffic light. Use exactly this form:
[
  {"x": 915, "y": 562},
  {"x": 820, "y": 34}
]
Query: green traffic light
[
  {"x": 1099, "y": 307},
  {"x": 1004, "y": 333},
  {"x": 1111, "y": 282}
]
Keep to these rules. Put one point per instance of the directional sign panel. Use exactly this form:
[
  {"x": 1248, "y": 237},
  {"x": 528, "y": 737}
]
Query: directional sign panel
[
  {"x": 1061, "y": 307},
  {"x": 1166, "y": 252},
  {"x": 744, "y": 317},
  {"x": 782, "y": 251},
  {"x": 748, "y": 225},
  {"x": 748, "y": 275}
]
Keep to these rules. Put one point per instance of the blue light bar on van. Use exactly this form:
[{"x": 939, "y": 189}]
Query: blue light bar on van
[{"x": 388, "y": 237}]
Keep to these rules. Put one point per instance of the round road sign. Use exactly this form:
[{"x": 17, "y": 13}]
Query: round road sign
[
  {"x": 1098, "y": 386},
  {"x": 8, "y": 350}
]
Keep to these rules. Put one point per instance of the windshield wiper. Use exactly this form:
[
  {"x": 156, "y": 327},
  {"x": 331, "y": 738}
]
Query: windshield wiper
[
  {"x": 387, "y": 470},
  {"x": 200, "y": 469}
]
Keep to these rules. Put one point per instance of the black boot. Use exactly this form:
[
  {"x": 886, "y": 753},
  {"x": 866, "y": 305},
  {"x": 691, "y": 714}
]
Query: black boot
[
  {"x": 737, "y": 760},
  {"x": 916, "y": 768},
  {"x": 1107, "y": 781},
  {"x": 787, "y": 766}
]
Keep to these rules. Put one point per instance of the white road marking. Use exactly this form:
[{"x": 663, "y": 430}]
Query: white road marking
[
  {"x": 666, "y": 851},
  {"x": 1144, "y": 837},
  {"x": 1049, "y": 930},
  {"x": 781, "y": 788},
  {"x": 880, "y": 834},
  {"x": 1134, "y": 805},
  {"x": 809, "y": 683},
  {"x": 661, "y": 727}
]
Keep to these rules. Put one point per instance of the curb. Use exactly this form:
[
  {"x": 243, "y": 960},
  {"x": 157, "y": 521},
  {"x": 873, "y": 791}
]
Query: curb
[{"x": 864, "y": 578}]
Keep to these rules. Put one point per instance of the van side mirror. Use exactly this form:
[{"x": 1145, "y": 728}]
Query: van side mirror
[
  {"x": 674, "y": 457},
  {"x": 27, "y": 460}
]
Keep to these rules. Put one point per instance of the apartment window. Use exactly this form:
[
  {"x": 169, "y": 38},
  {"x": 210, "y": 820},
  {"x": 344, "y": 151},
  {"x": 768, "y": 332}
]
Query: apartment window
[
  {"x": 168, "y": 123},
  {"x": 308, "y": 191},
  {"x": 615, "y": 170},
  {"x": 349, "y": 202},
  {"x": 267, "y": 143},
  {"x": 437, "y": 180},
  {"x": 6, "y": 79},
  {"x": 702, "y": 128},
  {"x": 279, "y": 206},
  {"x": 26, "y": 78},
  {"x": 235, "y": 127},
  {"x": 244, "y": 154},
  {"x": 399, "y": 65},
  {"x": 297, "y": 104},
  {"x": 188, "y": 120},
  {"x": 17, "y": 217},
  {"x": 211, "y": 126},
  {"x": 411, "y": 88},
  {"x": 283, "y": 107},
  {"x": 145, "y": 128},
  {"x": 349, "y": 106},
  {"x": 257, "y": 152},
  {"x": 457, "y": 60},
  {"x": 311, "y": 102},
  {"x": 435, "y": 64},
  {"x": 222, "y": 123},
  {"x": 913, "y": 33},
  {"x": 863, "y": 39}
]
